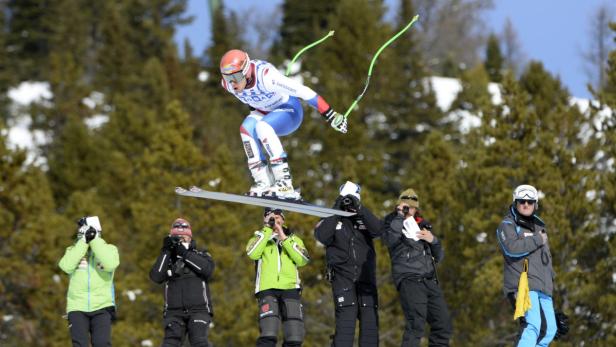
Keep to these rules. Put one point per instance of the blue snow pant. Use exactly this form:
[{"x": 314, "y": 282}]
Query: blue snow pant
[
  {"x": 538, "y": 327},
  {"x": 284, "y": 120}
]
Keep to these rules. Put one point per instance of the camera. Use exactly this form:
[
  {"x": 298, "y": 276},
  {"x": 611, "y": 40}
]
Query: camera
[
  {"x": 425, "y": 225},
  {"x": 405, "y": 209},
  {"x": 271, "y": 222},
  {"x": 175, "y": 240}
]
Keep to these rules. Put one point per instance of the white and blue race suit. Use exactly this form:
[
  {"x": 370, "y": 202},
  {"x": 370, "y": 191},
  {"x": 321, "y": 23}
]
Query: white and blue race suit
[{"x": 276, "y": 110}]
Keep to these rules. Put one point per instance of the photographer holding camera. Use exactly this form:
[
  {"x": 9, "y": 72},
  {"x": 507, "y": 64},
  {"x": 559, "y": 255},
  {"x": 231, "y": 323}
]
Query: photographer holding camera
[
  {"x": 90, "y": 301},
  {"x": 414, "y": 250},
  {"x": 351, "y": 267},
  {"x": 186, "y": 272},
  {"x": 278, "y": 253}
]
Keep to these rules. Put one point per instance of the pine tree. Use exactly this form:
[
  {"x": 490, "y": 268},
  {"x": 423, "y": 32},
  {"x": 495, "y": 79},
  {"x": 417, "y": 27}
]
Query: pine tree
[{"x": 494, "y": 59}]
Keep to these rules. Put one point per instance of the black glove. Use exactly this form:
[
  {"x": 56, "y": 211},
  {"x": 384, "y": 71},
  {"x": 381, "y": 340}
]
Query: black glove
[
  {"x": 169, "y": 243},
  {"x": 90, "y": 234},
  {"x": 338, "y": 203},
  {"x": 562, "y": 325},
  {"x": 183, "y": 251}
]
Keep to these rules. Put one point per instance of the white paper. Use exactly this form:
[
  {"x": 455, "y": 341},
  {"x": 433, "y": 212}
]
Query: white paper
[{"x": 410, "y": 228}]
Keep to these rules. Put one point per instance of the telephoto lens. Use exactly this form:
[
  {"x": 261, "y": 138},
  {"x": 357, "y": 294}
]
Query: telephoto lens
[
  {"x": 346, "y": 201},
  {"x": 271, "y": 222}
]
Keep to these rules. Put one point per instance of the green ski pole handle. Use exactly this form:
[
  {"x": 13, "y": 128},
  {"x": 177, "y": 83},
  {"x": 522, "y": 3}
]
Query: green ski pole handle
[
  {"x": 331, "y": 33},
  {"x": 374, "y": 60}
]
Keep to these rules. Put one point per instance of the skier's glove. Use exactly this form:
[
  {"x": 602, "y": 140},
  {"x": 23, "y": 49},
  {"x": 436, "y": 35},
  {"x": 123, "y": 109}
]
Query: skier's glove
[
  {"x": 562, "y": 325},
  {"x": 338, "y": 203},
  {"x": 167, "y": 243},
  {"x": 90, "y": 234},
  {"x": 336, "y": 120}
]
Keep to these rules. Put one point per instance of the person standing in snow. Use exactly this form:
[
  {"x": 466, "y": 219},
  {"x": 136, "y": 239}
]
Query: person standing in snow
[
  {"x": 278, "y": 253},
  {"x": 90, "y": 300},
  {"x": 186, "y": 273},
  {"x": 275, "y": 111}
]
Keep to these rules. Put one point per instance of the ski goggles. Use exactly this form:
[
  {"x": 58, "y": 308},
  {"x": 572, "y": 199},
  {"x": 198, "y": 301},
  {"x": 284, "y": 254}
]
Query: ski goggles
[
  {"x": 409, "y": 197},
  {"x": 236, "y": 77},
  {"x": 277, "y": 212},
  {"x": 180, "y": 226},
  {"x": 524, "y": 201}
]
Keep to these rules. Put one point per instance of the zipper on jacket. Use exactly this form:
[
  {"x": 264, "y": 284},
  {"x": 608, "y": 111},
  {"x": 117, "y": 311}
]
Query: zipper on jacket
[
  {"x": 279, "y": 262},
  {"x": 166, "y": 289},
  {"x": 207, "y": 302},
  {"x": 89, "y": 263}
]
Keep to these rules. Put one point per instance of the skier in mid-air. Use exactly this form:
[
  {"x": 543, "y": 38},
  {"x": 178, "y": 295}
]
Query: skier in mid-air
[{"x": 275, "y": 111}]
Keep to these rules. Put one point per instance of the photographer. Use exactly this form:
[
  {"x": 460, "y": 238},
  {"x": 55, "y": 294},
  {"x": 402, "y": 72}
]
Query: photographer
[
  {"x": 278, "y": 253},
  {"x": 351, "y": 267},
  {"x": 414, "y": 250},
  {"x": 186, "y": 272},
  {"x": 90, "y": 301}
]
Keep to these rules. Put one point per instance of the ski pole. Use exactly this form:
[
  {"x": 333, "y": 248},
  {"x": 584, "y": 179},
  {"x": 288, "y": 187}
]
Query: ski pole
[
  {"x": 331, "y": 33},
  {"x": 374, "y": 60}
]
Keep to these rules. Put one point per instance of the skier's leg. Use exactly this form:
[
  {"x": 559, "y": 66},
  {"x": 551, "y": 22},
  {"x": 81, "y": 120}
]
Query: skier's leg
[
  {"x": 292, "y": 319},
  {"x": 414, "y": 301},
  {"x": 175, "y": 329},
  {"x": 346, "y": 310},
  {"x": 547, "y": 308},
  {"x": 100, "y": 328},
  {"x": 269, "y": 321},
  {"x": 79, "y": 327},
  {"x": 256, "y": 158},
  {"x": 438, "y": 316},
  {"x": 198, "y": 326},
  {"x": 532, "y": 329},
  {"x": 368, "y": 315},
  {"x": 282, "y": 121}
]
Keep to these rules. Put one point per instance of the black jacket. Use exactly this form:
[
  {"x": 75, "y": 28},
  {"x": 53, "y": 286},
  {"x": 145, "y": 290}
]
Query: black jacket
[
  {"x": 409, "y": 258},
  {"x": 186, "y": 279},
  {"x": 349, "y": 248}
]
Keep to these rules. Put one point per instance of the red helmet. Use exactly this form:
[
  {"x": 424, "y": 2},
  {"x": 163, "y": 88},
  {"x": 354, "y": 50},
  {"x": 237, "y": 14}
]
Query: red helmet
[
  {"x": 180, "y": 227},
  {"x": 234, "y": 65}
]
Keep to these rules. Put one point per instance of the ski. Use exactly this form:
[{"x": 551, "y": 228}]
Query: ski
[{"x": 272, "y": 202}]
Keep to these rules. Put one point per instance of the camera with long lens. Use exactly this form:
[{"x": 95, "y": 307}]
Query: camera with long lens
[
  {"x": 347, "y": 203},
  {"x": 271, "y": 222}
]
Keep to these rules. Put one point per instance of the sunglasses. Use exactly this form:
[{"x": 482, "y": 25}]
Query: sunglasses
[
  {"x": 277, "y": 212},
  {"x": 406, "y": 197},
  {"x": 236, "y": 77},
  {"x": 181, "y": 226},
  {"x": 524, "y": 201}
]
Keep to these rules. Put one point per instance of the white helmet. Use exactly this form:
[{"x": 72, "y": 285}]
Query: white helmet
[{"x": 526, "y": 192}]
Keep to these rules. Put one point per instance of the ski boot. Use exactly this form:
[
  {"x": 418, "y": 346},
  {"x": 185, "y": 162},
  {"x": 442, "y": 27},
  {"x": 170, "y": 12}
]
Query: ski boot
[
  {"x": 283, "y": 185},
  {"x": 262, "y": 178}
]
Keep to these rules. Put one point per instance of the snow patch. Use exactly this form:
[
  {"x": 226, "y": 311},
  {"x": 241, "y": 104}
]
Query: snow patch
[
  {"x": 481, "y": 237},
  {"x": 203, "y": 76},
  {"x": 29, "y": 92},
  {"x": 56, "y": 278},
  {"x": 446, "y": 90},
  {"x": 132, "y": 294},
  {"x": 96, "y": 121},
  {"x": 7, "y": 317},
  {"x": 215, "y": 182},
  {"x": 147, "y": 343}
]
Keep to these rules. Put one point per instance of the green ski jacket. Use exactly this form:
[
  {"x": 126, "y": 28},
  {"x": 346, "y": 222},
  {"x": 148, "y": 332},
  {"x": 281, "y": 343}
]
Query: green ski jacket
[
  {"x": 277, "y": 262},
  {"x": 91, "y": 267}
]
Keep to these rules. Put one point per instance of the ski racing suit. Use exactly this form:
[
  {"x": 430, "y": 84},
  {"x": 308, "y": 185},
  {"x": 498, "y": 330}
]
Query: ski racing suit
[
  {"x": 90, "y": 301},
  {"x": 188, "y": 304},
  {"x": 520, "y": 238},
  {"x": 351, "y": 263},
  {"x": 277, "y": 286},
  {"x": 414, "y": 274},
  {"x": 276, "y": 111}
]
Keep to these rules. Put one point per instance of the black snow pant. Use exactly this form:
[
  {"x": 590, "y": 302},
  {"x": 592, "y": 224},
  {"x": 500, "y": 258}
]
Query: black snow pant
[
  {"x": 276, "y": 305},
  {"x": 422, "y": 300},
  {"x": 95, "y": 325},
  {"x": 355, "y": 301},
  {"x": 178, "y": 323}
]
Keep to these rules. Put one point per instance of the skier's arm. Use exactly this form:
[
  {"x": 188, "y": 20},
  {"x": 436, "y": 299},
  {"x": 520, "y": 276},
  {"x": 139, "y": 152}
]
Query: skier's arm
[
  {"x": 200, "y": 262},
  {"x": 257, "y": 243},
  {"x": 106, "y": 253},
  {"x": 392, "y": 230},
  {"x": 294, "y": 246},
  {"x": 158, "y": 273},
  {"x": 72, "y": 256},
  {"x": 514, "y": 245},
  {"x": 436, "y": 248},
  {"x": 325, "y": 229},
  {"x": 277, "y": 82},
  {"x": 373, "y": 224}
]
